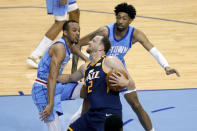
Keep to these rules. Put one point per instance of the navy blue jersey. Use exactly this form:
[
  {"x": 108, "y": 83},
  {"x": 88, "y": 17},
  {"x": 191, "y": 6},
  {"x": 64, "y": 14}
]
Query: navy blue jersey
[{"x": 99, "y": 96}]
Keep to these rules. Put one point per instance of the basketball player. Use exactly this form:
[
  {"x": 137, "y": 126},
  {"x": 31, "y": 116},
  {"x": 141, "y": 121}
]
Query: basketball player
[
  {"x": 122, "y": 37},
  {"x": 59, "y": 9},
  {"x": 104, "y": 102},
  {"x": 46, "y": 93}
]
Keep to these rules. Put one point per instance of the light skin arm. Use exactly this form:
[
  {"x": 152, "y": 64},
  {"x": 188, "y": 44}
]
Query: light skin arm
[
  {"x": 132, "y": 99},
  {"x": 113, "y": 63},
  {"x": 139, "y": 36},
  {"x": 103, "y": 31},
  {"x": 57, "y": 53},
  {"x": 74, "y": 77}
]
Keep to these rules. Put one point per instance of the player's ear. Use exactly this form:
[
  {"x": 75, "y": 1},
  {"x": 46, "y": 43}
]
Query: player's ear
[
  {"x": 65, "y": 33},
  {"x": 131, "y": 20}
]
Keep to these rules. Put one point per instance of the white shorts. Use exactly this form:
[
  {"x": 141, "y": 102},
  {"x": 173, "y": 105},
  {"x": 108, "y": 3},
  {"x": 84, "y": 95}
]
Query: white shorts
[
  {"x": 60, "y": 17},
  {"x": 72, "y": 7}
]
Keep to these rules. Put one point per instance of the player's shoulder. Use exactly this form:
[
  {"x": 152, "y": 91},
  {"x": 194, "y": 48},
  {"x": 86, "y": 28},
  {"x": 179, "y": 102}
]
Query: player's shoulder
[
  {"x": 57, "y": 48},
  {"x": 103, "y": 30},
  {"x": 112, "y": 59}
]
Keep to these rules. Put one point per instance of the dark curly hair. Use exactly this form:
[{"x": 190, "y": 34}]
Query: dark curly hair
[
  {"x": 124, "y": 7},
  {"x": 65, "y": 26}
]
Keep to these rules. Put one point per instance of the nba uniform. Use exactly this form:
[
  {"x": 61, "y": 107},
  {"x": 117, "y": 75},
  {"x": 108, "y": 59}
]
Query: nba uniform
[
  {"x": 119, "y": 48},
  {"x": 62, "y": 91},
  {"x": 103, "y": 102},
  {"x": 56, "y": 8}
]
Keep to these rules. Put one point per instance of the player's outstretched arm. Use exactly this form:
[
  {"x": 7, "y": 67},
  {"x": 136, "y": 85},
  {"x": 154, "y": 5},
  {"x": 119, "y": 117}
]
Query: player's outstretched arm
[
  {"x": 77, "y": 51},
  {"x": 103, "y": 31},
  {"x": 74, "y": 77},
  {"x": 130, "y": 95},
  {"x": 139, "y": 36}
]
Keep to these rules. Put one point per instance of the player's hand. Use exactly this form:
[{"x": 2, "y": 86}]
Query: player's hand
[
  {"x": 63, "y": 2},
  {"x": 170, "y": 71},
  {"x": 46, "y": 113},
  {"x": 118, "y": 79}
]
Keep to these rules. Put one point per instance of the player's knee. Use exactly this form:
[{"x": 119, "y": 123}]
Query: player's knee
[
  {"x": 75, "y": 12},
  {"x": 74, "y": 15}
]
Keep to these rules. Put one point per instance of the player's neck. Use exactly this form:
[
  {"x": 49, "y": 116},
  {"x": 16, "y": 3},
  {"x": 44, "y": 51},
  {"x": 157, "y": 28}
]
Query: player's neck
[
  {"x": 120, "y": 34},
  {"x": 95, "y": 56},
  {"x": 68, "y": 42}
]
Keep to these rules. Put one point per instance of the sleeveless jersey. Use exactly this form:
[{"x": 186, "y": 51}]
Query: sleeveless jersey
[
  {"x": 43, "y": 67},
  {"x": 97, "y": 93},
  {"x": 119, "y": 48}
]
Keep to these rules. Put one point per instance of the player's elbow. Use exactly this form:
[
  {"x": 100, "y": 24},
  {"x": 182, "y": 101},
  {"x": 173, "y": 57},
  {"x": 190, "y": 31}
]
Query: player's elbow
[{"x": 131, "y": 85}]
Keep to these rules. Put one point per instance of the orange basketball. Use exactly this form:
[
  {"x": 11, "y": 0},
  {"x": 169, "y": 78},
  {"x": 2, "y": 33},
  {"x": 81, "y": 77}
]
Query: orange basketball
[{"x": 115, "y": 88}]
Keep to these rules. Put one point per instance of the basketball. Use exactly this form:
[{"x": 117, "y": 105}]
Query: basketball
[{"x": 115, "y": 88}]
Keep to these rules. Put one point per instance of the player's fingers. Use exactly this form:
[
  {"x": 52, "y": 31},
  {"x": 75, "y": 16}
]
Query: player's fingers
[
  {"x": 177, "y": 73},
  {"x": 115, "y": 75},
  {"x": 112, "y": 81},
  {"x": 113, "y": 84},
  {"x": 112, "y": 77},
  {"x": 44, "y": 117},
  {"x": 119, "y": 73}
]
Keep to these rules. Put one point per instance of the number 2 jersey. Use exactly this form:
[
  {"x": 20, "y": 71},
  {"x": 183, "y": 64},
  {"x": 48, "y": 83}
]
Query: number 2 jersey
[{"x": 100, "y": 97}]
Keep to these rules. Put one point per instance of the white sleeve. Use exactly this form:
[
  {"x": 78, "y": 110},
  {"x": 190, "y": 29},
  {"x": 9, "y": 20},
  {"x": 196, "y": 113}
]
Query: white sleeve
[{"x": 159, "y": 57}]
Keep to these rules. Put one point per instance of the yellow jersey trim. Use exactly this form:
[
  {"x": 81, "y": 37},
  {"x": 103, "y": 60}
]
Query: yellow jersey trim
[
  {"x": 97, "y": 60},
  {"x": 103, "y": 66},
  {"x": 70, "y": 129}
]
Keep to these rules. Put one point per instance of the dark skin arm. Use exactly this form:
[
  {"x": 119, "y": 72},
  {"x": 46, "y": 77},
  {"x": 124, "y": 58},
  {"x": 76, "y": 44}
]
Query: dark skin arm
[
  {"x": 132, "y": 99},
  {"x": 143, "y": 117},
  {"x": 84, "y": 41},
  {"x": 57, "y": 53},
  {"x": 139, "y": 36},
  {"x": 75, "y": 49},
  {"x": 103, "y": 31},
  {"x": 75, "y": 60}
]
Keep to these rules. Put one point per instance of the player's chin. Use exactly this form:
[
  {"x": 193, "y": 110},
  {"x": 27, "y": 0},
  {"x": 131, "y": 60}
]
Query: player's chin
[
  {"x": 75, "y": 41},
  {"x": 88, "y": 50},
  {"x": 120, "y": 29}
]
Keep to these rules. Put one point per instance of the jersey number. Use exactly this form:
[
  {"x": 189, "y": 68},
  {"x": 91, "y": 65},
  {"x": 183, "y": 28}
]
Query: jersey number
[{"x": 90, "y": 86}]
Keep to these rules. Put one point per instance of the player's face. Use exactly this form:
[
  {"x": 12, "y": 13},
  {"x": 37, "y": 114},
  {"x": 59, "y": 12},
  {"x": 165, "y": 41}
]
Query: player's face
[
  {"x": 74, "y": 32},
  {"x": 123, "y": 20},
  {"x": 94, "y": 44}
]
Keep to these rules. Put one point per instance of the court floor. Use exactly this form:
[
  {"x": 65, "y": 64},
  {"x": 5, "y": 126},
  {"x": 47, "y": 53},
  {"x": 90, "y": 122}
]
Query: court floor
[
  {"x": 169, "y": 110},
  {"x": 170, "y": 25}
]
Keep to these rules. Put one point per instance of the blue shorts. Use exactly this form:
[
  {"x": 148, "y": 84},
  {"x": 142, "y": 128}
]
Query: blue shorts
[
  {"x": 92, "y": 121},
  {"x": 72, "y": 2},
  {"x": 62, "y": 92},
  {"x": 56, "y": 8}
]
